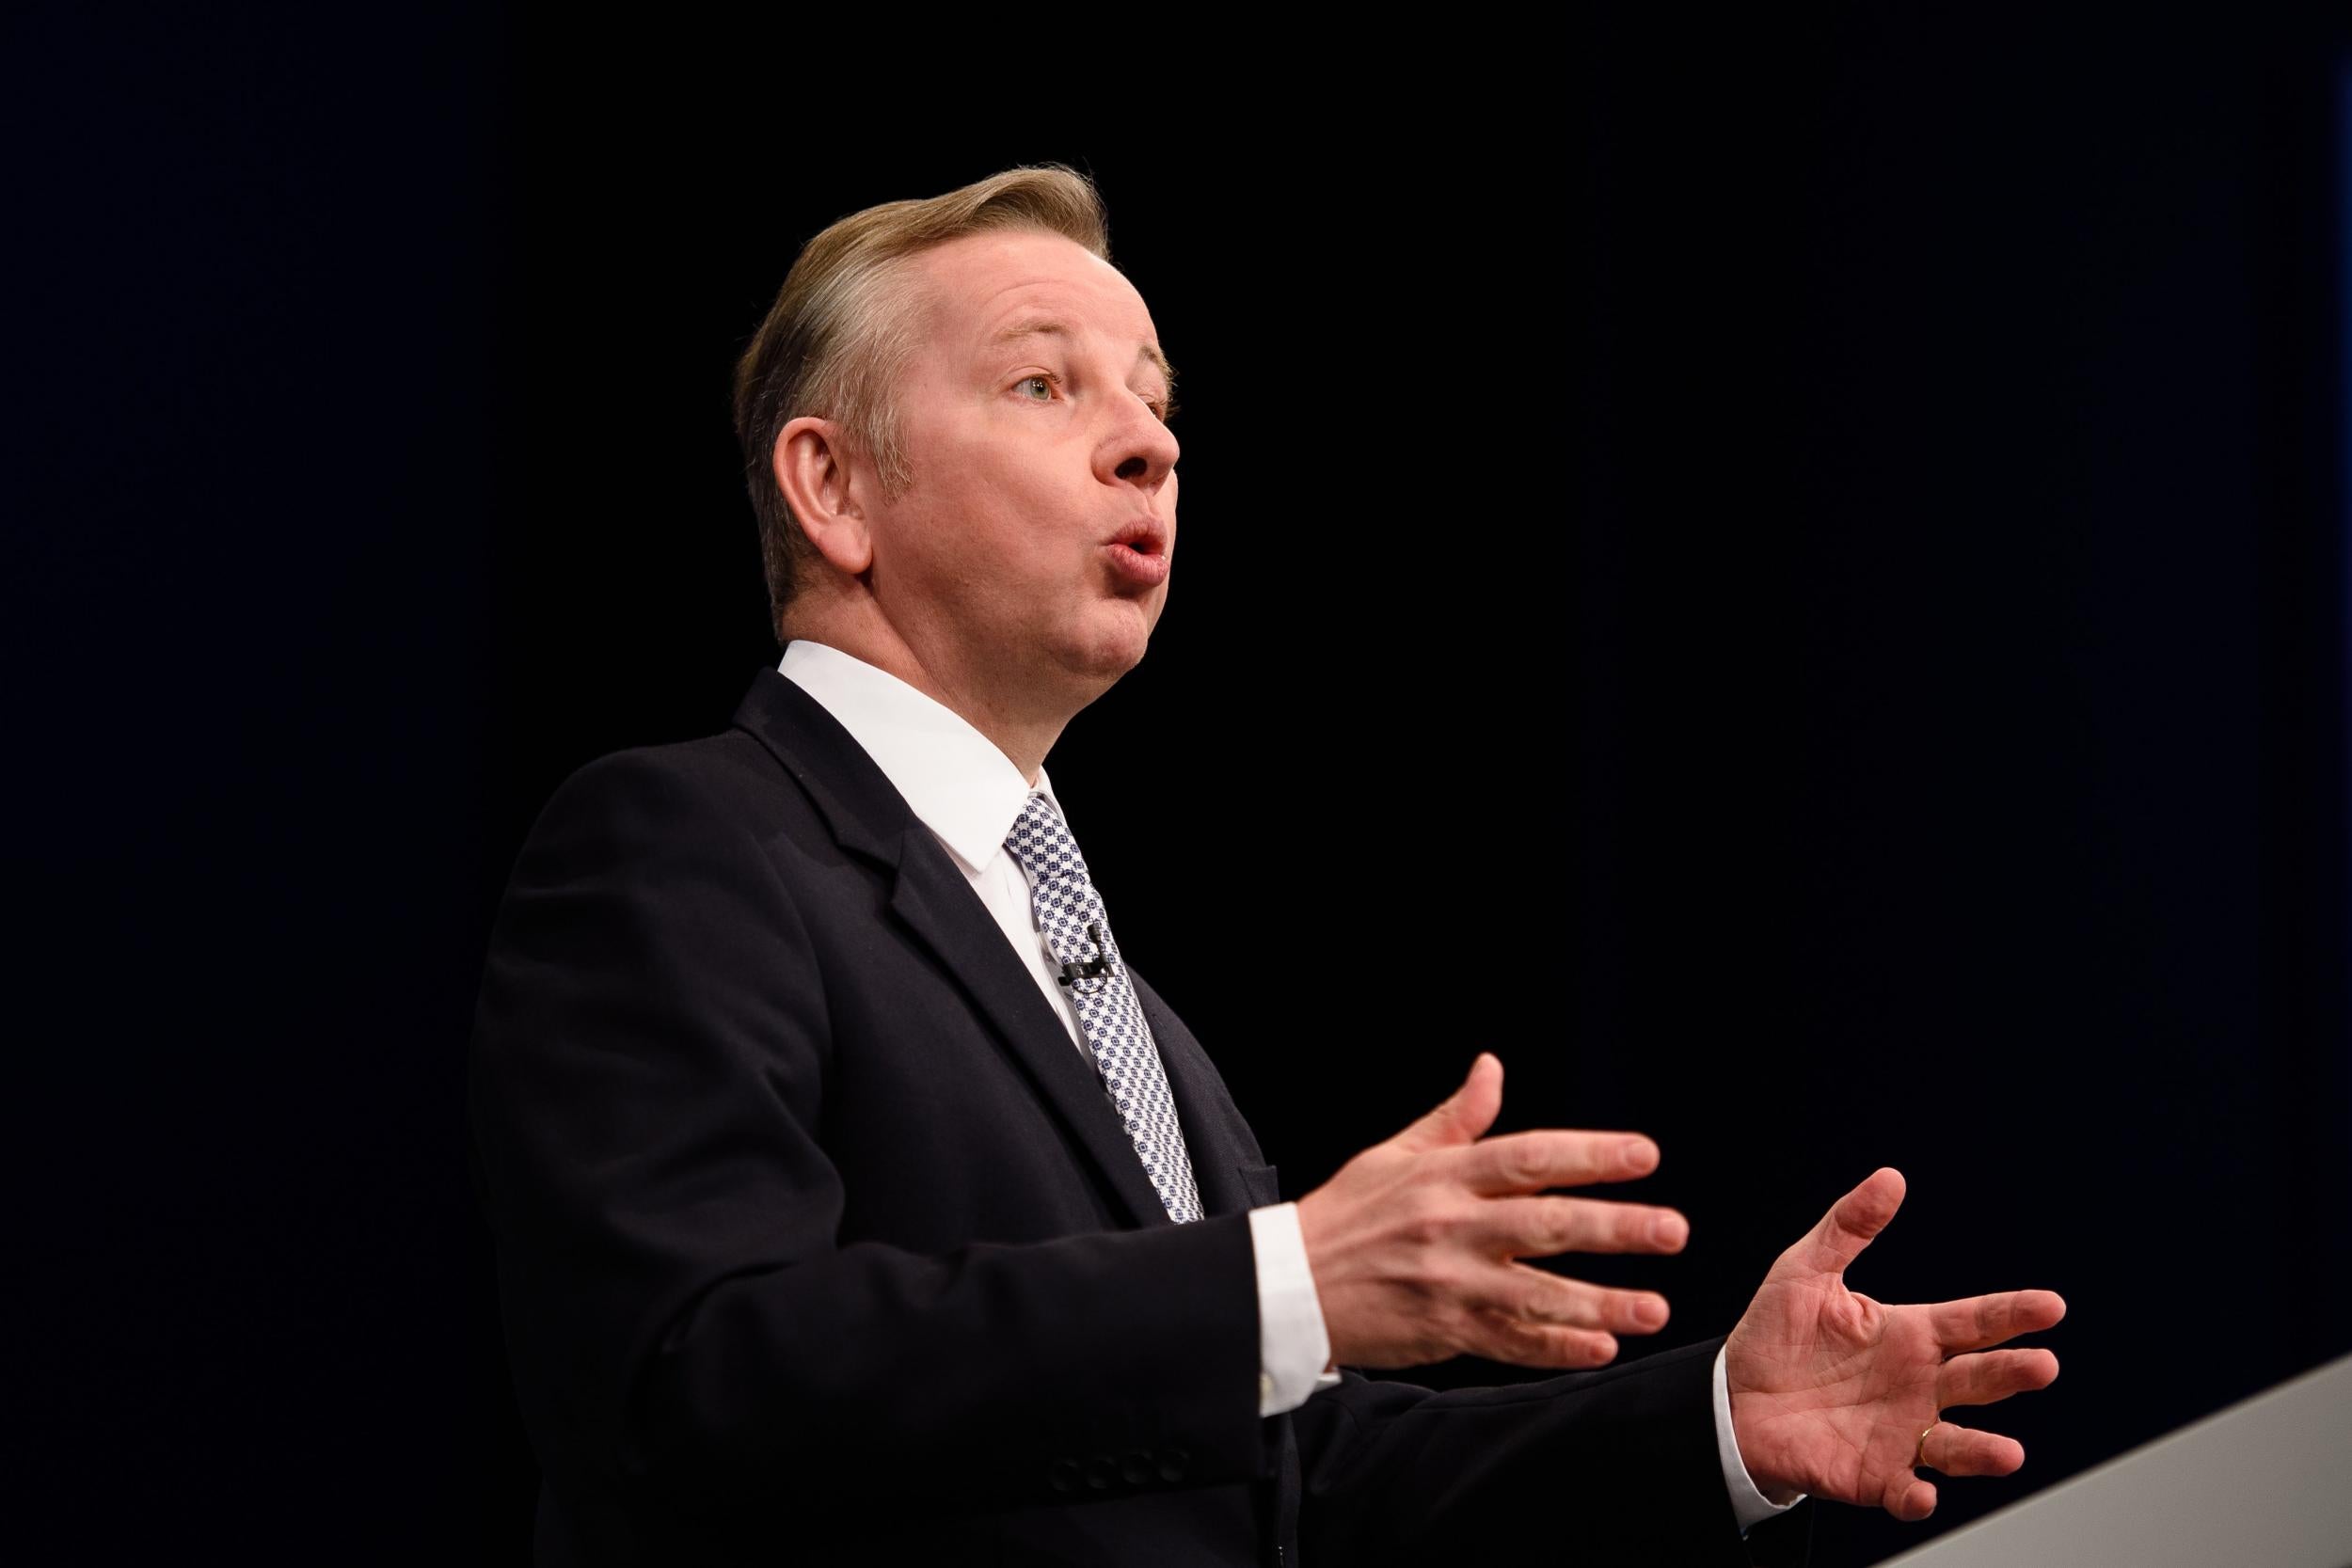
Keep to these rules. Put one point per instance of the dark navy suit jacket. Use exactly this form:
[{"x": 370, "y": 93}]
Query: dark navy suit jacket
[{"x": 817, "y": 1242}]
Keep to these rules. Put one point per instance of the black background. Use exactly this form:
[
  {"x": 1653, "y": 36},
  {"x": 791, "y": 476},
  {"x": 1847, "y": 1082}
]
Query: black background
[{"x": 1790, "y": 584}]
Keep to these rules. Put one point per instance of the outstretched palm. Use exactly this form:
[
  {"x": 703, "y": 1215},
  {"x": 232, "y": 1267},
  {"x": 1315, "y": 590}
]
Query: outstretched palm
[{"x": 1831, "y": 1390}]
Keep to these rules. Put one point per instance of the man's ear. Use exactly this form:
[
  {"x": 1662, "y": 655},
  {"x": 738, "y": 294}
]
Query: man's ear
[{"x": 812, "y": 468}]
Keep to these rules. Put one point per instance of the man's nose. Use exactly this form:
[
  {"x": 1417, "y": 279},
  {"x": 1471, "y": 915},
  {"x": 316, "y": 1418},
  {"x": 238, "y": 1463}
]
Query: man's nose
[{"x": 1144, "y": 448}]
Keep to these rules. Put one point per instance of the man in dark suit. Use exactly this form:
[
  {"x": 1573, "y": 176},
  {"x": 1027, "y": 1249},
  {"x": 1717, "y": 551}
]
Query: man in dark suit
[{"x": 855, "y": 1200}]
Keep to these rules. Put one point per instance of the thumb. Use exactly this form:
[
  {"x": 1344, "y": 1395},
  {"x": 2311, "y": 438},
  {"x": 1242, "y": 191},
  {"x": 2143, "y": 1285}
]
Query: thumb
[
  {"x": 1466, "y": 1114},
  {"x": 1851, "y": 1223}
]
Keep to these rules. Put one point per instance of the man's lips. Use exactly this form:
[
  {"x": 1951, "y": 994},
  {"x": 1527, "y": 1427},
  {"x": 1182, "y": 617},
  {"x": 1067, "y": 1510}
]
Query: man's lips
[
  {"x": 1146, "y": 534},
  {"x": 1138, "y": 551},
  {"x": 1138, "y": 565}
]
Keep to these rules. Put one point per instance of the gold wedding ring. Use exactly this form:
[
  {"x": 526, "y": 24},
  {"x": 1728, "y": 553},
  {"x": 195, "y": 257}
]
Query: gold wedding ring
[{"x": 1919, "y": 1455}]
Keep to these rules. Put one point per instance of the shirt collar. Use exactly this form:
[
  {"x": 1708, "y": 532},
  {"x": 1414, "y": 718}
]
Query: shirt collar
[{"x": 962, "y": 787}]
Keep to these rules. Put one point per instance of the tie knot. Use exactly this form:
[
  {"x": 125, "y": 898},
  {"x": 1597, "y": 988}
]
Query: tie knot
[{"x": 1042, "y": 841}]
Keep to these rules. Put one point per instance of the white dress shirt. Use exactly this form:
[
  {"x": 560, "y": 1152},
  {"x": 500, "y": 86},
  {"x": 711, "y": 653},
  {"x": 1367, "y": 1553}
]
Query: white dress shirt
[{"x": 968, "y": 793}]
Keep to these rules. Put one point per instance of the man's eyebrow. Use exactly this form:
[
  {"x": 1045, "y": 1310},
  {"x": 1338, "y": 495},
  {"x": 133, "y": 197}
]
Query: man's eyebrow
[{"x": 1031, "y": 327}]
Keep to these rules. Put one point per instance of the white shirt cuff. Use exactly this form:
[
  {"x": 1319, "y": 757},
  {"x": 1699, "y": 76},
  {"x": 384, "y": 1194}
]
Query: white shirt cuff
[
  {"x": 1293, "y": 1343},
  {"x": 1748, "y": 1505}
]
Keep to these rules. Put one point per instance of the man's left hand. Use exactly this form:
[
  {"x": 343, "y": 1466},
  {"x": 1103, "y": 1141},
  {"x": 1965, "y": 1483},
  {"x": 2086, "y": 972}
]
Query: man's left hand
[{"x": 1831, "y": 1391}]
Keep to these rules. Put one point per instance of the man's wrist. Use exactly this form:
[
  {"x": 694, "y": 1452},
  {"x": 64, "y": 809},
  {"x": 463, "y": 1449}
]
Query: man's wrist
[
  {"x": 1291, "y": 1329},
  {"x": 1749, "y": 1504}
]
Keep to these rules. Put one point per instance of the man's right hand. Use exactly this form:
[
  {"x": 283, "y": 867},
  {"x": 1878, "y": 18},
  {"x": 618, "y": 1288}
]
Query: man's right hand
[{"x": 1412, "y": 1241}]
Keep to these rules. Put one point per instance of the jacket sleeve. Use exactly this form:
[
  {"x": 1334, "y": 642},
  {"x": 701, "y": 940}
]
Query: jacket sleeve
[
  {"x": 1615, "y": 1464},
  {"x": 646, "y": 1087}
]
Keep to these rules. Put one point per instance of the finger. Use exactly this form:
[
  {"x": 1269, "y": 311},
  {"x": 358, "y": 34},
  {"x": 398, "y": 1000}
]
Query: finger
[
  {"x": 1466, "y": 1114},
  {"x": 1507, "y": 1336},
  {"x": 1543, "y": 1297},
  {"x": 1910, "y": 1500},
  {"x": 1529, "y": 1161},
  {"x": 1957, "y": 1451},
  {"x": 1851, "y": 1223},
  {"x": 1543, "y": 1227},
  {"x": 1990, "y": 1376},
  {"x": 1976, "y": 1321}
]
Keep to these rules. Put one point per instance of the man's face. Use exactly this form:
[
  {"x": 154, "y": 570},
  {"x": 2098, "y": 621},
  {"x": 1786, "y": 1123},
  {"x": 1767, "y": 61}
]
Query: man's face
[{"x": 1031, "y": 452}]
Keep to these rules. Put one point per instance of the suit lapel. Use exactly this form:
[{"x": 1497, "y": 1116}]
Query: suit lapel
[
  {"x": 1200, "y": 1099},
  {"x": 871, "y": 818}
]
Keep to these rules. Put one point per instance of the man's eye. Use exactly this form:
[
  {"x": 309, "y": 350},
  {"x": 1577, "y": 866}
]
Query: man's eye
[{"x": 1047, "y": 379}]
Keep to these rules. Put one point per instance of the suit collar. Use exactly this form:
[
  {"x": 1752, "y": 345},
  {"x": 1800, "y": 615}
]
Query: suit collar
[
  {"x": 957, "y": 779},
  {"x": 865, "y": 815},
  {"x": 868, "y": 817}
]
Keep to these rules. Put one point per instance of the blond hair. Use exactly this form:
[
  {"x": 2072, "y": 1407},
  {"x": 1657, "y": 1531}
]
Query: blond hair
[{"x": 838, "y": 339}]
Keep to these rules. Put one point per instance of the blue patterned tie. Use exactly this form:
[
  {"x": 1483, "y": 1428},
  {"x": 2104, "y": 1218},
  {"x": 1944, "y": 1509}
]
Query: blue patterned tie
[{"x": 1078, "y": 933}]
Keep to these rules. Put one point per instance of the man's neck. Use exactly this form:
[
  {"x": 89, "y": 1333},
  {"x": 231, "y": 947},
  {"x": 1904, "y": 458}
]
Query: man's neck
[{"x": 1024, "y": 739}]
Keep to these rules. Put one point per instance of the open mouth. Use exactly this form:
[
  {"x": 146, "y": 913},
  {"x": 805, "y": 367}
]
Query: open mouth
[
  {"x": 1142, "y": 536},
  {"x": 1137, "y": 561}
]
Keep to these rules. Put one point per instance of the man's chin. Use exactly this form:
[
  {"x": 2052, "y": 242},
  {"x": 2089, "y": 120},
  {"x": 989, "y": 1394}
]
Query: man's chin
[{"x": 1101, "y": 660}]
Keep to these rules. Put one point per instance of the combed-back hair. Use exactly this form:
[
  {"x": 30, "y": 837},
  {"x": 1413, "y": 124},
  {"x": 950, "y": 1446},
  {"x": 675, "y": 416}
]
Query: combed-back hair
[{"x": 838, "y": 339}]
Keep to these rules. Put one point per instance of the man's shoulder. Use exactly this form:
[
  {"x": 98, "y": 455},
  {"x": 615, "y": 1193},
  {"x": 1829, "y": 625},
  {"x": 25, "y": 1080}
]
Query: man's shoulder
[
  {"x": 728, "y": 764},
  {"x": 726, "y": 784}
]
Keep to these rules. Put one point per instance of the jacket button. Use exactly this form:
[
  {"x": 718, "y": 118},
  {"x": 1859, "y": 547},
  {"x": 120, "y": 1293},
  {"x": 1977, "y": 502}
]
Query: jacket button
[
  {"x": 1062, "y": 1475},
  {"x": 1101, "y": 1471},
  {"x": 1173, "y": 1462},
  {"x": 1137, "y": 1467}
]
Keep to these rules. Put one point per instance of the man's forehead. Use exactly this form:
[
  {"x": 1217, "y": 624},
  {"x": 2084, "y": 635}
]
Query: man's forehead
[{"x": 986, "y": 286}]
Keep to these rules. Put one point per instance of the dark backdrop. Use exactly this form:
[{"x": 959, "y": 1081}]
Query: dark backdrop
[{"x": 1792, "y": 586}]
